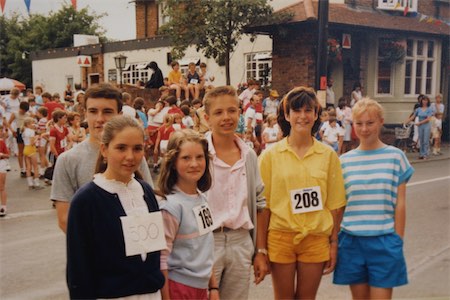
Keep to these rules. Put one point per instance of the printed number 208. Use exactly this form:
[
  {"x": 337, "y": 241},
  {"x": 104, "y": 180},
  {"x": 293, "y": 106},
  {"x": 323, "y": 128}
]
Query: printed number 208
[{"x": 307, "y": 199}]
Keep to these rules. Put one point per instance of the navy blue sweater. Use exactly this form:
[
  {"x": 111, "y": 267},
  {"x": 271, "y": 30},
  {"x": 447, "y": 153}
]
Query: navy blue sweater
[{"x": 97, "y": 266}]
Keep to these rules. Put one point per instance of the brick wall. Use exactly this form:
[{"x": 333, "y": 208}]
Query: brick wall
[
  {"x": 293, "y": 59},
  {"x": 152, "y": 19}
]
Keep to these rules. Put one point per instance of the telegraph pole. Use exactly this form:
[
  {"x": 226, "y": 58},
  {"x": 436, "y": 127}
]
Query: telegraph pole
[{"x": 322, "y": 53}]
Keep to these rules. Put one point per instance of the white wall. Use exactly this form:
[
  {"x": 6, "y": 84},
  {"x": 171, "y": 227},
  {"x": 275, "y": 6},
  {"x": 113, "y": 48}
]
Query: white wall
[
  {"x": 159, "y": 55},
  {"x": 52, "y": 74}
]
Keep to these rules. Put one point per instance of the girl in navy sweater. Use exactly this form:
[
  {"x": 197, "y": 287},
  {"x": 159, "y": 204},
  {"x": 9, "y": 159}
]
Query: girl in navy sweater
[{"x": 112, "y": 234}]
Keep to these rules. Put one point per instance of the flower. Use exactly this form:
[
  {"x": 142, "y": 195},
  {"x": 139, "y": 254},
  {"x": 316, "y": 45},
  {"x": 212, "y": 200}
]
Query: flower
[
  {"x": 392, "y": 51},
  {"x": 334, "y": 49}
]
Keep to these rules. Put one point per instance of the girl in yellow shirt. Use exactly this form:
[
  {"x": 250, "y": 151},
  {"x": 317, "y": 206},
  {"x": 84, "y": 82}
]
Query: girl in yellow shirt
[{"x": 305, "y": 195}]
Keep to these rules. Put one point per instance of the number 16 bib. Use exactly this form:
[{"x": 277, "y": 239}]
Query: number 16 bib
[
  {"x": 204, "y": 218},
  {"x": 306, "y": 200}
]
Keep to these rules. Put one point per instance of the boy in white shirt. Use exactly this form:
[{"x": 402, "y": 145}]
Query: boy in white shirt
[{"x": 331, "y": 134}]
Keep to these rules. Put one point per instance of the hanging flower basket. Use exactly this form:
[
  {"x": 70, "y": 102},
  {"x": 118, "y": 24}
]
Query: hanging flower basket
[
  {"x": 334, "y": 50},
  {"x": 392, "y": 51}
]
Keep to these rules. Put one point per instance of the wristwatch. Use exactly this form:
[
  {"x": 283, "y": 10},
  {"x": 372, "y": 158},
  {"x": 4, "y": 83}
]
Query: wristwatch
[{"x": 262, "y": 250}]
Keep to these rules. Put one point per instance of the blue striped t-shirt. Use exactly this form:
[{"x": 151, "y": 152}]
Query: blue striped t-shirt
[{"x": 371, "y": 181}]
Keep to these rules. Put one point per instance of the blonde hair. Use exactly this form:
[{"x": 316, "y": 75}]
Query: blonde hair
[
  {"x": 217, "y": 92},
  {"x": 369, "y": 105},
  {"x": 26, "y": 122},
  {"x": 169, "y": 176}
]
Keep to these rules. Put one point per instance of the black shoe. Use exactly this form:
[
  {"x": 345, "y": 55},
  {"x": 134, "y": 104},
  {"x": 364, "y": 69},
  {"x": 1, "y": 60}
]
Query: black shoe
[
  {"x": 23, "y": 174},
  {"x": 2, "y": 212}
]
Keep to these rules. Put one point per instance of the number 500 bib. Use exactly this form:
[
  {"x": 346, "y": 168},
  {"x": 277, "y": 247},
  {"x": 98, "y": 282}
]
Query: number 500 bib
[{"x": 306, "y": 200}]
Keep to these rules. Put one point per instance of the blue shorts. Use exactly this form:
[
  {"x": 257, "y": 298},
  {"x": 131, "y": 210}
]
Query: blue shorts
[{"x": 376, "y": 260}]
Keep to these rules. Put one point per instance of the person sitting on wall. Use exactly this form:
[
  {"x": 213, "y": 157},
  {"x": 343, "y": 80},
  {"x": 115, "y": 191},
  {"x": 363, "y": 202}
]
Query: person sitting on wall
[{"x": 157, "y": 79}]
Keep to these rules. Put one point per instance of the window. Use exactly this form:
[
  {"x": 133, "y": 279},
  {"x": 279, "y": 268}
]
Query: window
[
  {"x": 258, "y": 66},
  {"x": 162, "y": 18},
  {"x": 420, "y": 67},
  {"x": 398, "y": 5},
  {"x": 384, "y": 68},
  {"x": 134, "y": 72}
]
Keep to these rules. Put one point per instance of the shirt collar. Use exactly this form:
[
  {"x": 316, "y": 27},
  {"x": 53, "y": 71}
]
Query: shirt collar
[
  {"x": 317, "y": 147},
  {"x": 242, "y": 146}
]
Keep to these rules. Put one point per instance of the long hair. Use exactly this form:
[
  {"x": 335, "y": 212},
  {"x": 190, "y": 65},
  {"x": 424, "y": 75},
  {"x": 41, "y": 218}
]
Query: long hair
[
  {"x": 297, "y": 98},
  {"x": 110, "y": 130},
  {"x": 169, "y": 176}
]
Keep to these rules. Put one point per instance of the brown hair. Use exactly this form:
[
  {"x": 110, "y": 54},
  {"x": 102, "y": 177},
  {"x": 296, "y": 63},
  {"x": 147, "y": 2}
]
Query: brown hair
[
  {"x": 297, "y": 98},
  {"x": 58, "y": 114},
  {"x": 71, "y": 116},
  {"x": 104, "y": 90},
  {"x": 111, "y": 128},
  {"x": 169, "y": 176},
  {"x": 217, "y": 92}
]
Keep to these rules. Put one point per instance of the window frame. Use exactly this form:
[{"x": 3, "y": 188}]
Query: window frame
[
  {"x": 392, "y": 74},
  {"x": 425, "y": 60},
  {"x": 132, "y": 74},
  {"x": 256, "y": 72},
  {"x": 392, "y": 5}
]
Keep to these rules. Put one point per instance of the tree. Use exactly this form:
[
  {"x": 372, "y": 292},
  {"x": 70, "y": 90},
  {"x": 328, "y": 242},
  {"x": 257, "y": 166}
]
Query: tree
[
  {"x": 214, "y": 26},
  {"x": 21, "y": 36}
]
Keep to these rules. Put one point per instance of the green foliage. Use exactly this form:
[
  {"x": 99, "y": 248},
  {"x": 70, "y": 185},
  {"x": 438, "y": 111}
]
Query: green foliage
[
  {"x": 21, "y": 36},
  {"x": 214, "y": 26}
]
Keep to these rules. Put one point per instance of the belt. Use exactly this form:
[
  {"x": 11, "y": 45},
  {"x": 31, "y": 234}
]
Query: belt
[{"x": 222, "y": 229}]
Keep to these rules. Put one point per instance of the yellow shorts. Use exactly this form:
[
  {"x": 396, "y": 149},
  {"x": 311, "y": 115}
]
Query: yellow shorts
[
  {"x": 312, "y": 249},
  {"x": 29, "y": 150}
]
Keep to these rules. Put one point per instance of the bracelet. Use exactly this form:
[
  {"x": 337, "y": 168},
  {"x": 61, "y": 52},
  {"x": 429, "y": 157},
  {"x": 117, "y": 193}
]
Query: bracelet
[{"x": 213, "y": 289}]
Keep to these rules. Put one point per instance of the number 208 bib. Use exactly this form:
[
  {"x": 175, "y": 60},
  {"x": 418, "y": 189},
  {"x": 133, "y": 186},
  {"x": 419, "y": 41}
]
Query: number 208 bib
[{"x": 306, "y": 200}]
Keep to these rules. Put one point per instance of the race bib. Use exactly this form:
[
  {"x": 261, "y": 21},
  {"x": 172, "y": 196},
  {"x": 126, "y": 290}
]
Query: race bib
[
  {"x": 143, "y": 233},
  {"x": 193, "y": 81},
  {"x": 63, "y": 143},
  {"x": 306, "y": 200},
  {"x": 204, "y": 218}
]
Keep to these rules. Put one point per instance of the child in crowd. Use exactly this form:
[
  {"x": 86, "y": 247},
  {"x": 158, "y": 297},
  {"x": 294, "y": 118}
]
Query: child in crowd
[
  {"x": 77, "y": 134},
  {"x": 370, "y": 253},
  {"x": 177, "y": 122},
  {"x": 188, "y": 261},
  {"x": 206, "y": 78},
  {"x": 33, "y": 107},
  {"x": 324, "y": 117},
  {"x": 58, "y": 134},
  {"x": 4, "y": 156},
  {"x": 187, "y": 119},
  {"x": 249, "y": 138},
  {"x": 43, "y": 139},
  {"x": 272, "y": 133},
  {"x": 104, "y": 258},
  {"x": 235, "y": 199},
  {"x": 304, "y": 191},
  {"x": 177, "y": 82},
  {"x": 15, "y": 124},
  {"x": 193, "y": 81},
  {"x": 331, "y": 134},
  {"x": 436, "y": 132},
  {"x": 162, "y": 140},
  {"x": 247, "y": 94},
  {"x": 138, "y": 105},
  {"x": 29, "y": 139}
]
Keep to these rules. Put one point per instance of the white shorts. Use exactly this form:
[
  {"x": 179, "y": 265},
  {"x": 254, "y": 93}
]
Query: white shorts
[{"x": 4, "y": 165}]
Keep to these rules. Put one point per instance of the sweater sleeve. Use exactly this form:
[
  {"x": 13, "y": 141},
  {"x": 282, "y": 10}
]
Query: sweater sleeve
[
  {"x": 171, "y": 226},
  {"x": 80, "y": 249}
]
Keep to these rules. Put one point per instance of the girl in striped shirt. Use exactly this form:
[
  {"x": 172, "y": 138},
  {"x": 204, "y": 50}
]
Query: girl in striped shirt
[{"x": 370, "y": 252}]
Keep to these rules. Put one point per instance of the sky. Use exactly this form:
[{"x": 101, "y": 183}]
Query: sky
[
  {"x": 116, "y": 10},
  {"x": 120, "y": 23}
]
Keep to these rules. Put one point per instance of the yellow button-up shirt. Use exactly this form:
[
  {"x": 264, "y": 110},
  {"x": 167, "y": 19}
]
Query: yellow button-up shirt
[{"x": 283, "y": 171}]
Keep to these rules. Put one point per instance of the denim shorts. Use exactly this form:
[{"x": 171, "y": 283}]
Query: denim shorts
[{"x": 375, "y": 260}]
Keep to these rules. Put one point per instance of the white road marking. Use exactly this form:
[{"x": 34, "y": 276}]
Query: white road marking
[{"x": 427, "y": 181}]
